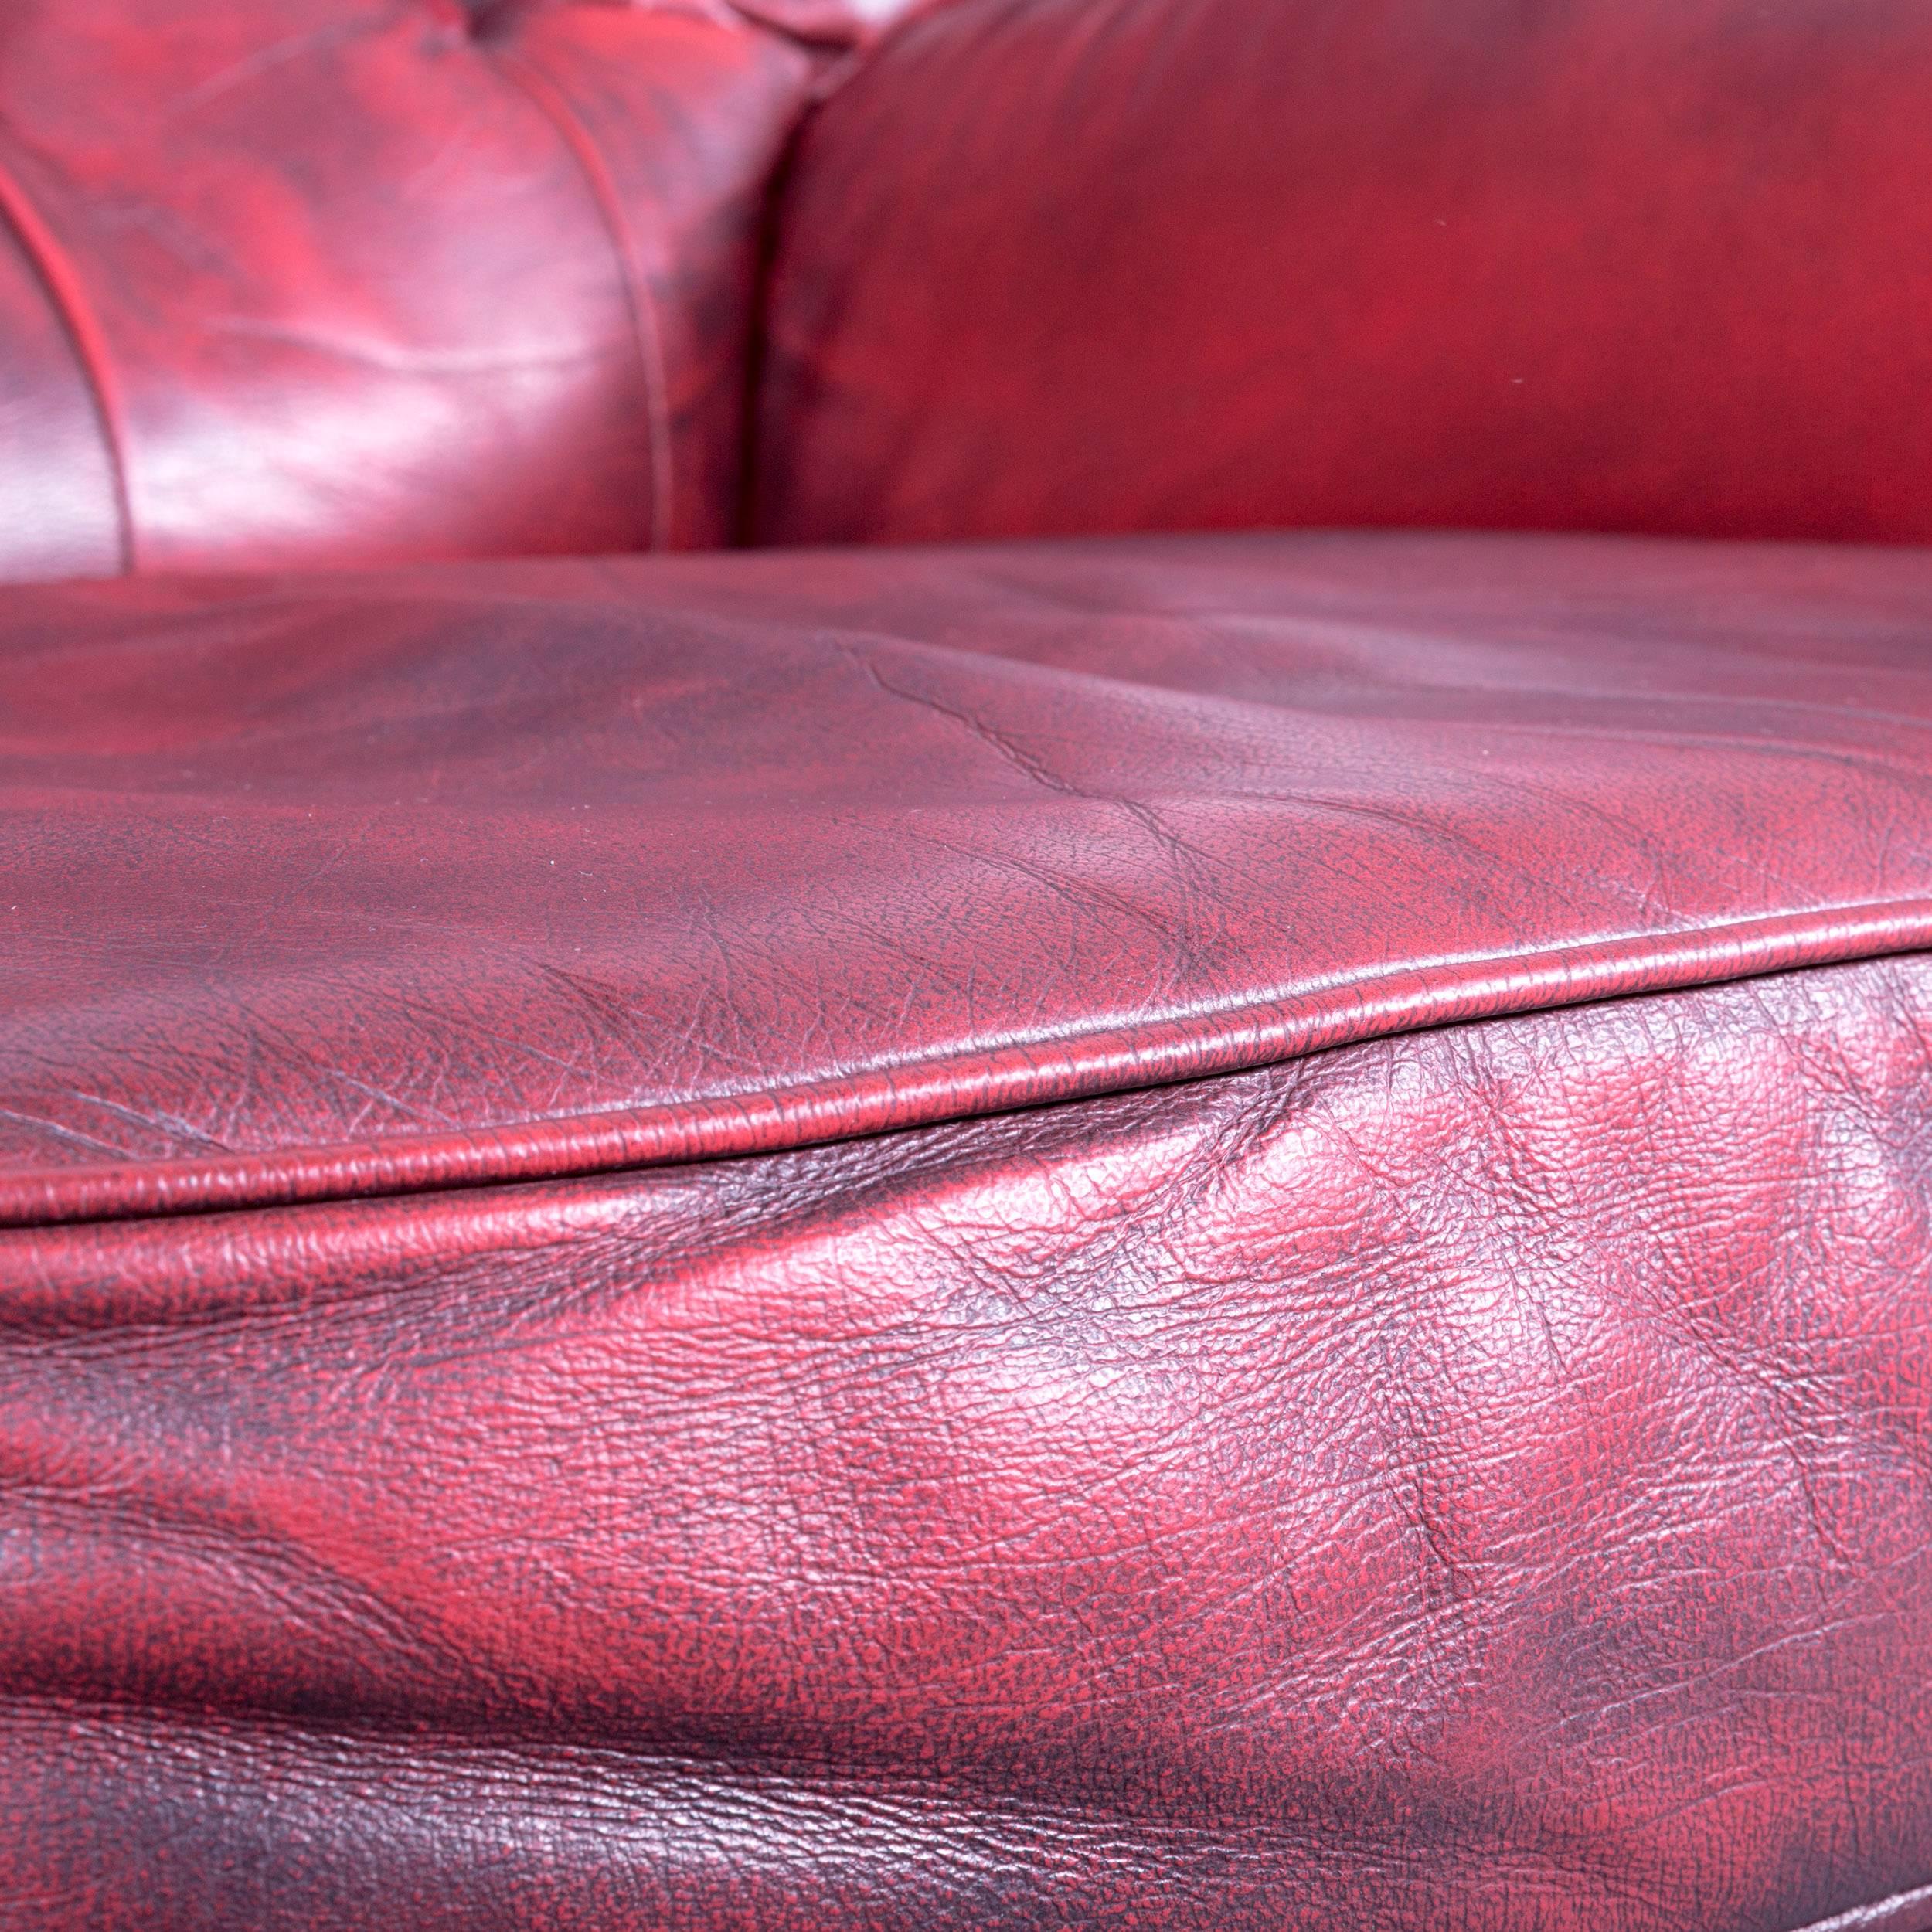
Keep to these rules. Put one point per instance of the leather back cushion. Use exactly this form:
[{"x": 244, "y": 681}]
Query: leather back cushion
[
  {"x": 336, "y": 280},
  {"x": 1657, "y": 265}
]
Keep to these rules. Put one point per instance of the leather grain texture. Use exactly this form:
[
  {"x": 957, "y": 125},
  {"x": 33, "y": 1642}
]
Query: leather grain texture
[
  {"x": 357, "y": 280},
  {"x": 1053, "y": 266},
  {"x": 329, "y": 887},
  {"x": 1473, "y": 1480}
]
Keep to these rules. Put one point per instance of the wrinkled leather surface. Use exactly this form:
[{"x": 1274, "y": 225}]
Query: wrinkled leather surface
[
  {"x": 319, "y": 888},
  {"x": 1318, "y": 1315},
  {"x": 351, "y": 280},
  {"x": 1069, "y": 265},
  {"x": 1476, "y": 1479}
]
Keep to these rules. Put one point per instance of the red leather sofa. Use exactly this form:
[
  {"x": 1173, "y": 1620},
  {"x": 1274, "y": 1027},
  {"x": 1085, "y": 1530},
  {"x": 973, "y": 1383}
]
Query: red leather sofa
[{"x": 1163, "y": 1161}]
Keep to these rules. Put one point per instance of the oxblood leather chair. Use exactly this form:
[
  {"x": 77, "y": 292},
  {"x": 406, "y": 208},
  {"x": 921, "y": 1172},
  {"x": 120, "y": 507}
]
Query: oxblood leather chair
[{"x": 1171, "y": 1231}]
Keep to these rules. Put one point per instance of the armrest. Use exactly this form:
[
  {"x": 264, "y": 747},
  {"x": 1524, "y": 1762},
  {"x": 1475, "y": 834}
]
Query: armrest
[{"x": 1659, "y": 265}]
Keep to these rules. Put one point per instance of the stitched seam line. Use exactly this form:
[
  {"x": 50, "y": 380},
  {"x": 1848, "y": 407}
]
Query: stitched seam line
[
  {"x": 1903, "y": 1912},
  {"x": 642, "y": 309},
  {"x": 971, "y": 1083},
  {"x": 62, "y": 286}
]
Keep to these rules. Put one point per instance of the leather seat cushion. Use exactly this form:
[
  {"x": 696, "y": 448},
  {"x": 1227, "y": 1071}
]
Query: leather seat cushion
[
  {"x": 1201, "y": 1233},
  {"x": 382, "y": 881}
]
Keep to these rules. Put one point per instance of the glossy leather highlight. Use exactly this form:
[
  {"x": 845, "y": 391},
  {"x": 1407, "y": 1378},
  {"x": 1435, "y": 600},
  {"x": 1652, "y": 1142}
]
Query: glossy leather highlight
[
  {"x": 363, "y": 282},
  {"x": 64, "y": 519}
]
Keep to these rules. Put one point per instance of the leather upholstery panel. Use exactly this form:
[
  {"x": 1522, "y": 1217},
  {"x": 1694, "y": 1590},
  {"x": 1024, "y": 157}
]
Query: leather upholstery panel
[
  {"x": 1055, "y": 266},
  {"x": 372, "y": 281},
  {"x": 1476, "y": 1479},
  {"x": 333, "y": 887}
]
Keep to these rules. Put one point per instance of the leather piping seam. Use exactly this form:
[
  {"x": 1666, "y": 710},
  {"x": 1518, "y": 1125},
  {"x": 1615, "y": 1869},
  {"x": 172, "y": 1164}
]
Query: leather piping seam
[
  {"x": 969, "y": 1083},
  {"x": 645, "y": 333},
  {"x": 1903, "y": 1912},
  {"x": 49, "y": 261}
]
